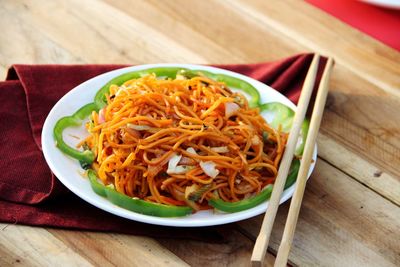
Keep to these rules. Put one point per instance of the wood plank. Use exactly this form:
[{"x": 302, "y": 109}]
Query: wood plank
[
  {"x": 361, "y": 141},
  {"x": 341, "y": 223},
  {"x": 107, "y": 249},
  {"x": 28, "y": 246},
  {"x": 358, "y": 168},
  {"x": 365, "y": 119},
  {"x": 3, "y": 71},
  {"x": 21, "y": 42},
  {"x": 33, "y": 246},
  {"x": 244, "y": 39},
  {"x": 109, "y": 36},
  {"x": 235, "y": 251},
  {"x": 310, "y": 27},
  {"x": 181, "y": 32}
]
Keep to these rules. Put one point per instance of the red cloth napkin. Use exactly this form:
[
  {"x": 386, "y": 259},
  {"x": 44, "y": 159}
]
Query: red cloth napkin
[
  {"x": 378, "y": 22},
  {"x": 29, "y": 192}
]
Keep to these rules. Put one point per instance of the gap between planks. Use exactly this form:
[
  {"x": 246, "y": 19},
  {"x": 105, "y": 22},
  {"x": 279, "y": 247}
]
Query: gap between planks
[
  {"x": 358, "y": 168},
  {"x": 36, "y": 246}
]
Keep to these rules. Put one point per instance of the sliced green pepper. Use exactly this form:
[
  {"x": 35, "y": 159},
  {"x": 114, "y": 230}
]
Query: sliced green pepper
[
  {"x": 85, "y": 156},
  {"x": 171, "y": 72},
  {"x": 135, "y": 204},
  {"x": 230, "y": 82},
  {"x": 258, "y": 199},
  {"x": 168, "y": 72},
  {"x": 283, "y": 115}
]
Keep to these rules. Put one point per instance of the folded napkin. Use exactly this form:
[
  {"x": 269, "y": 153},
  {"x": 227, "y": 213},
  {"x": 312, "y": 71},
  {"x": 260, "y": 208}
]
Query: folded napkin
[{"x": 29, "y": 192}]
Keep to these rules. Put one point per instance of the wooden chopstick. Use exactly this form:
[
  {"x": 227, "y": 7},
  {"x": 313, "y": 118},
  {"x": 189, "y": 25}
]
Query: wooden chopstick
[
  {"x": 291, "y": 221},
  {"x": 262, "y": 241}
]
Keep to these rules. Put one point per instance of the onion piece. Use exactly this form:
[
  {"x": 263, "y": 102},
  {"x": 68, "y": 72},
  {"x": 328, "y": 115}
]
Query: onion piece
[
  {"x": 191, "y": 150},
  {"x": 220, "y": 149},
  {"x": 180, "y": 77},
  {"x": 102, "y": 118},
  {"x": 138, "y": 127},
  {"x": 189, "y": 202},
  {"x": 154, "y": 130},
  {"x": 209, "y": 168},
  {"x": 195, "y": 191},
  {"x": 255, "y": 140},
  {"x": 231, "y": 108},
  {"x": 143, "y": 128},
  {"x": 190, "y": 189},
  {"x": 173, "y": 163},
  {"x": 121, "y": 89}
]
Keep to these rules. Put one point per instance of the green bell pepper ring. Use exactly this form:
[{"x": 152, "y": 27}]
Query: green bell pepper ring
[
  {"x": 283, "y": 115},
  {"x": 134, "y": 204},
  {"x": 265, "y": 194},
  {"x": 86, "y": 156},
  {"x": 230, "y": 81}
]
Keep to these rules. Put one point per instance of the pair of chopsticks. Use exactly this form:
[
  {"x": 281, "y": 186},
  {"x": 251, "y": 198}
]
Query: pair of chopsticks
[{"x": 262, "y": 241}]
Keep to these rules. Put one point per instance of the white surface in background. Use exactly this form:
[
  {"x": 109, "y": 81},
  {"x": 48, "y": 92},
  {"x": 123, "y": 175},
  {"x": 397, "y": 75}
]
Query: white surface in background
[{"x": 395, "y": 4}]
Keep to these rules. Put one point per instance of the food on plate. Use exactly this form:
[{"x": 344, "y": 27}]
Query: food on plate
[{"x": 169, "y": 142}]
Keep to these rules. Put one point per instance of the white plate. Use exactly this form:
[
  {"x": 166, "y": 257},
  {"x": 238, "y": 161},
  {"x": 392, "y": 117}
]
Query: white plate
[
  {"x": 68, "y": 170},
  {"x": 394, "y": 4}
]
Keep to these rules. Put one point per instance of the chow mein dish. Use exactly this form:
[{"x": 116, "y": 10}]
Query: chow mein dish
[{"x": 186, "y": 144}]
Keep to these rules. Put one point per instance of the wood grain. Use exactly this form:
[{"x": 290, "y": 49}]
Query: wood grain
[
  {"x": 29, "y": 246},
  {"x": 341, "y": 223},
  {"x": 331, "y": 37},
  {"x": 349, "y": 216},
  {"x": 350, "y": 163},
  {"x": 14, "y": 40},
  {"x": 116, "y": 249},
  {"x": 236, "y": 251}
]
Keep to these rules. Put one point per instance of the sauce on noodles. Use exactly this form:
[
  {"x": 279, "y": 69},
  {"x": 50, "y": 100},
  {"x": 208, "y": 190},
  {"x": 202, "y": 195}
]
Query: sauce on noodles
[{"x": 182, "y": 142}]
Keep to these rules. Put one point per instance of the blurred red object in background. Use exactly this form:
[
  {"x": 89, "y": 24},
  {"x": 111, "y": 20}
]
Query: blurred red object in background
[{"x": 380, "y": 23}]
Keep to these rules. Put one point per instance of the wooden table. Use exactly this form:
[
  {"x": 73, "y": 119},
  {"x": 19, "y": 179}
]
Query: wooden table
[{"x": 350, "y": 214}]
